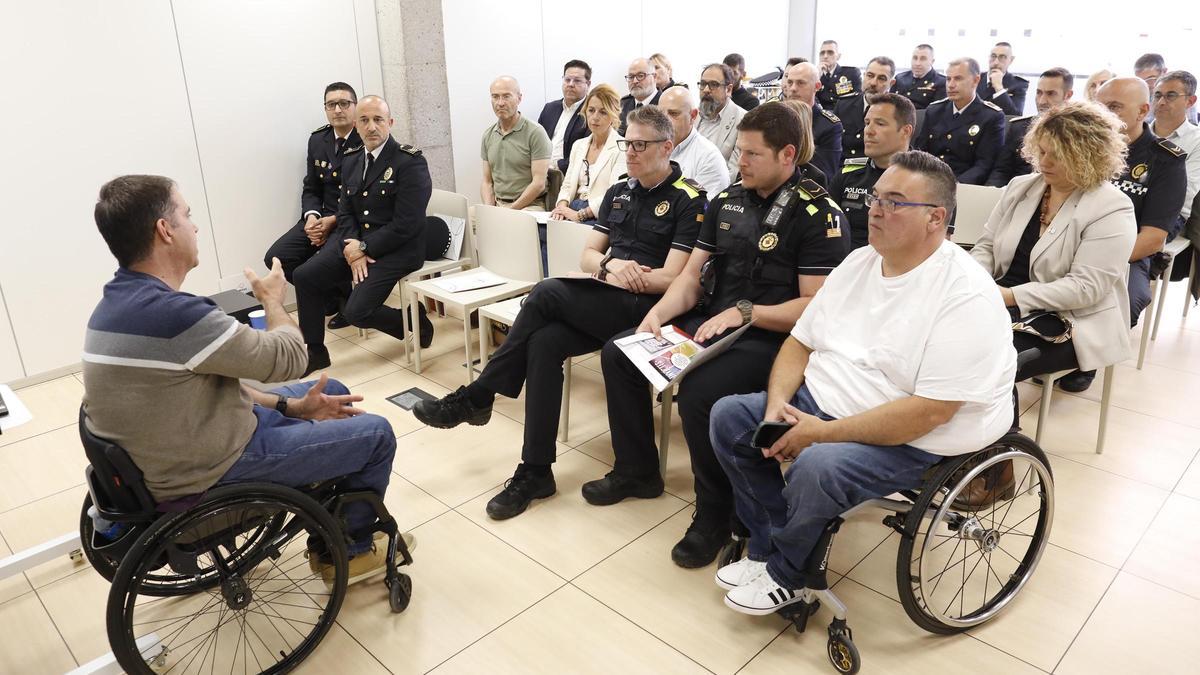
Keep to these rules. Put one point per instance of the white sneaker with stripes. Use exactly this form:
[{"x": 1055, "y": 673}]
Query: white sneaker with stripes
[
  {"x": 760, "y": 596},
  {"x": 735, "y": 574}
]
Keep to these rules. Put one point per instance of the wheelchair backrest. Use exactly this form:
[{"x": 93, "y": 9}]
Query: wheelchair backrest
[{"x": 114, "y": 481}]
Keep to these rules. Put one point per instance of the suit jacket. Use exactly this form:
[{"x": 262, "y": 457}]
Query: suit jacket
[
  {"x": 627, "y": 103},
  {"x": 827, "y": 141},
  {"x": 723, "y": 133},
  {"x": 921, "y": 91},
  {"x": 386, "y": 208},
  {"x": 609, "y": 165},
  {"x": 322, "y": 177},
  {"x": 851, "y": 111},
  {"x": 1012, "y": 101},
  {"x": 577, "y": 128},
  {"x": 969, "y": 143},
  {"x": 1010, "y": 163},
  {"x": 1078, "y": 268}
]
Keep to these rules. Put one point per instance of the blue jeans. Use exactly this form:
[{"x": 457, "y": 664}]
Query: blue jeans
[
  {"x": 298, "y": 452},
  {"x": 786, "y": 514}
]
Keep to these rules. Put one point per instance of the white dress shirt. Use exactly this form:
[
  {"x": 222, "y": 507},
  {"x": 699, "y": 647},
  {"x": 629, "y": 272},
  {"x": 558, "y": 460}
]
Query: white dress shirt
[
  {"x": 560, "y": 133},
  {"x": 701, "y": 161}
]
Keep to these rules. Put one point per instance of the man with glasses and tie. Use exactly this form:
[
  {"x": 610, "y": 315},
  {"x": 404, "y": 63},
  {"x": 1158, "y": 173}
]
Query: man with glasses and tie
[
  {"x": 322, "y": 185},
  {"x": 380, "y": 236},
  {"x": 642, "y": 89},
  {"x": 719, "y": 114}
]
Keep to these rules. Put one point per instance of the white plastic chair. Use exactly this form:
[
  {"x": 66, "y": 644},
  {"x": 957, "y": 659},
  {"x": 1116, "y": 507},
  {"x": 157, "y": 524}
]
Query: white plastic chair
[
  {"x": 1153, "y": 313},
  {"x": 1105, "y": 401},
  {"x": 975, "y": 204}
]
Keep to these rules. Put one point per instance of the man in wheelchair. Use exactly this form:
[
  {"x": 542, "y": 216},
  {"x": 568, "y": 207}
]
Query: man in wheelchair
[
  {"x": 162, "y": 370},
  {"x": 903, "y": 358}
]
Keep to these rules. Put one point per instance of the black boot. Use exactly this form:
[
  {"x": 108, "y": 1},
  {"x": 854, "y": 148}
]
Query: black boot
[
  {"x": 615, "y": 487},
  {"x": 452, "y": 410},
  {"x": 318, "y": 359},
  {"x": 526, "y": 485},
  {"x": 704, "y": 539}
]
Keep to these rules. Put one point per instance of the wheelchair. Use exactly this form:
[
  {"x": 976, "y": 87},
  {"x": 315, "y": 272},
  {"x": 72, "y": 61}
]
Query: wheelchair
[
  {"x": 251, "y": 573},
  {"x": 961, "y": 561}
]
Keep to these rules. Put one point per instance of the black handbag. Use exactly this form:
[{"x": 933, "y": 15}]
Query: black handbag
[{"x": 1049, "y": 326}]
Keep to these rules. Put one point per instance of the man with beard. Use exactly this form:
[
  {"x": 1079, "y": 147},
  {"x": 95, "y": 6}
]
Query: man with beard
[
  {"x": 851, "y": 109},
  {"x": 719, "y": 114},
  {"x": 642, "y": 89}
]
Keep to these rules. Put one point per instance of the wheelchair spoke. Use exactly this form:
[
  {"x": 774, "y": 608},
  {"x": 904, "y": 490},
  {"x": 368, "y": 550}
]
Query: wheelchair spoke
[{"x": 1010, "y": 530}]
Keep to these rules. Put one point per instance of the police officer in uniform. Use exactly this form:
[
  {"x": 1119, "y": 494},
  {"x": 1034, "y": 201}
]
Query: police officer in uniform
[
  {"x": 1055, "y": 87},
  {"x": 852, "y": 109},
  {"x": 648, "y": 226},
  {"x": 888, "y": 130},
  {"x": 321, "y": 187},
  {"x": 963, "y": 130},
  {"x": 922, "y": 85},
  {"x": 1001, "y": 87},
  {"x": 837, "y": 81},
  {"x": 380, "y": 236},
  {"x": 764, "y": 249},
  {"x": 802, "y": 82},
  {"x": 743, "y": 97}
]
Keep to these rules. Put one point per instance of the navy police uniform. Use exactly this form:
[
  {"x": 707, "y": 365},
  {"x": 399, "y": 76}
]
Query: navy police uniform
[
  {"x": 827, "y": 141},
  {"x": 968, "y": 141},
  {"x": 842, "y": 82},
  {"x": 756, "y": 246},
  {"x": 562, "y": 318},
  {"x": 852, "y": 111},
  {"x": 1010, "y": 163},
  {"x": 1155, "y": 179},
  {"x": 319, "y": 196},
  {"x": 744, "y": 98},
  {"x": 850, "y": 190},
  {"x": 385, "y": 209},
  {"x": 921, "y": 90},
  {"x": 1012, "y": 101}
]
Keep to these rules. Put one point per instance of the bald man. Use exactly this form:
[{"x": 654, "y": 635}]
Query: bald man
[
  {"x": 515, "y": 153},
  {"x": 380, "y": 235},
  {"x": 696, "y": 156},
  {"x": 801, "y": 82},
  {"x": 642, "y": 88}
]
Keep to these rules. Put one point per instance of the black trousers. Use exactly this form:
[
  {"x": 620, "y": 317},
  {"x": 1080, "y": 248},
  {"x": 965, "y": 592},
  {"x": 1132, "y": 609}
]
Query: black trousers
[
  {"x": 558, "y": 320},
  {"x": 323, "y": 276},
  {"x": 743, "y": 369},
  {"x": 293, "y": 249}
]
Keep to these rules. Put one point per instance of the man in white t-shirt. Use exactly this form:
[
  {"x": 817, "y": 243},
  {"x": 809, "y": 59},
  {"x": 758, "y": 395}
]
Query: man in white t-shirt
[{"x": 902, "y": 358}]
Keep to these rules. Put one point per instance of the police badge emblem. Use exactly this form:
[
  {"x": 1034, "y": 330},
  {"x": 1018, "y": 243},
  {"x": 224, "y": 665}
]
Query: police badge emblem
[
  {"x": 974, "y": 130},
  {"x": 768, "y": 241},
  {"x": 662, "y": 208},
  {"x": 1139, "y": 171},
  {"x": 387, "y": 174}
]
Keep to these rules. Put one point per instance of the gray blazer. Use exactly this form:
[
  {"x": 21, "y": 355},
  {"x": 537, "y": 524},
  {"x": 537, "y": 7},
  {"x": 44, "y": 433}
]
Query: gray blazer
[{"x": 1079, "y": 267}]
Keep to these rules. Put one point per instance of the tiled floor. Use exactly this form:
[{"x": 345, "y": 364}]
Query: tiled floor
[{"x": 570, "y": 588}]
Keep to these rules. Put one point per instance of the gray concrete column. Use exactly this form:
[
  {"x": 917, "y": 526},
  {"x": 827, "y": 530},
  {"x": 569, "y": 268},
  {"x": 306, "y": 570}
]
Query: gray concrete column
[{"x": 412, "y": 50}]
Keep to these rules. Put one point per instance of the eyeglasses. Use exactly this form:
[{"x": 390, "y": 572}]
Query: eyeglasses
[
  {"x": 637, "y": 77},
  {"x": 587, "y": 173},
  {"x": 638, "y": 146},
  {"x": 710, "y": 84},
  {"x": 890, "y": 205},
  {"x": 1171, "y": 96},
  {"x": 342, "y": 104},
  {"x": 574, "y": 81}
]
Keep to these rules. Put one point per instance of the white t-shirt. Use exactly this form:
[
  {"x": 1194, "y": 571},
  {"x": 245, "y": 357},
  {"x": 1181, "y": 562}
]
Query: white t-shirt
[
  {"x": 701, "y": 161},
  {"x": 939, "y": 331}
]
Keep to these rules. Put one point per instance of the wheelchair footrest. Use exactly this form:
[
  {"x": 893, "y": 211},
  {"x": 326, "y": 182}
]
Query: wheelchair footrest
[{"x": 799, "y": 613}]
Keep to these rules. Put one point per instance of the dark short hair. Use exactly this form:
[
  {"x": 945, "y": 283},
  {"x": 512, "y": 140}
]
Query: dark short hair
[
  {"x": 794, "y": 60},
  {"x": 884, "y": 61},
  {"x": 576, "y": 63},
  {"x": 779, "y": 124},
  {"x": 1002, "y": 44},
  {"x": 735, "y": 60},
  {"x": 340, "y": 86},
  {"x": 654, "y": 117},
  {"x": 126, "y": 213},
  {"x": 971, "y": 64},
  {"x": 924, "y": 46},
  {"x": 904, "y": 112},
  {"x": 943, "y": 186},
  {"x": 830, "y": 42},
  {"x": 1150, "y": 60},
  {"x": 1062, "y": 74},
  {"x": 1184, "y": 78},
  {"x": 726, "y": 72}
]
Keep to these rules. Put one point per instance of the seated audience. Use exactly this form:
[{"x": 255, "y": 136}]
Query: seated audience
[
  {"x": 801, "y": 82},
  {"x": 596, "y": 162},
  {"x": 837, "y": 81},
  {"x": 1054, "y": 88},
  {"x": 663, "y": 74},
  {"x": 696, "y": 155},
  {"x": 1174, "y": 95},
  {"x": 1148, "y": 68},
  {"x": 719, "y": 115},
  {"x": 804, "y": 163},
  {"x": 887, "y": 131},
  {"x": 963, "y": 130},
  {"x": 1059, "y": 241},
  {"x": 515, "y": 153},
  {"x": 922, "y": 84},
  {"x": 901, "y": 359},
  {"x": 851, "y": 109},
  {"x": 642, "y": 89},
  {"x": 162, "y": 371},
  {"x": 1095, "y": 81},
  {"x": 744, "y": 98},
  {"x": 648, "y": 226},
  {"x": 1000, "y": 87},
  {"x": 560, "y": 118}
]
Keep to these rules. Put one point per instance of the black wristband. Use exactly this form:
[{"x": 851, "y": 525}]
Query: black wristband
[{"x": 281, "y": 404}]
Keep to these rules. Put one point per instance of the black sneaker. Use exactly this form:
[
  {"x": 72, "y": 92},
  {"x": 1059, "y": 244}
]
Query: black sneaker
[
  {"x": 338, "y": 321},
  {"x": 700, "y": 544},
  {"x": 451, "y": 411},
  {"x": 318, "y": 359},
  {"x": 614, "y": 487},
  {"x": 426, "y": 326},
  {"x": 524, "y": 487},
  {"x": 1076, "y": 381}
]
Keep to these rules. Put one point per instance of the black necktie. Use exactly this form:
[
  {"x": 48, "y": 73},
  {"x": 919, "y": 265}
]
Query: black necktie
[
  {"x": 337, "y": 146},
  {"x": 370, "y": 160}
]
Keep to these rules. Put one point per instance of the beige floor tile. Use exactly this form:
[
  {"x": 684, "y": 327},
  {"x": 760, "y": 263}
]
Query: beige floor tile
[
  {"x": 465, "y": 584},
  {"x": 339, "y": 653},
  {"x": 28, "y": 641},
  {"x": 445, "y": 366},
  {"x": 353, "y": 365},
  {"x": 40, "y": 466},
  {"x": 77, "y": 604},
  {"x": 1158, "y": 391},
  {"x": 53, "y": 404},
  {"x": 42, "y": 520},
  {"x": 1169, "y": 553},
  {"x": 1159, "y": 460},
  {"x": 679, "y": 479},
  {"x": 410, "y": 505},
  {"x": 860, "y": 534},
  {"x": 14, "y": 585},
  {"x": 1190, "y": 483},
  {"x": 588, "y": 413},
  {"x": 547, "y": 638},
  {"x": 683, "y": 608},
  {"x": 887, "y": 641},
  {"x": 1029, "y": 394},
  {"x": 381, "y": 344},
  {"x": 1139, "y": 627},
  {"x": 567, "y": 534},
  {"x": 375, "y": 393}
]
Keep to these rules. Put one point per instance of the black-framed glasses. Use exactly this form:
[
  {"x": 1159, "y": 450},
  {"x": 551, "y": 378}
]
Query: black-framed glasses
[
  {"x": 587, "y": 173},
  {"x": 890, "y": 205},
  {"x": 709, "y": 84},
  {"x": 638, "y": 146},
  {"x": 343, "y": 104},
  {"x": 1171, "y": 96},
  {"x": 636, "y": 77}
]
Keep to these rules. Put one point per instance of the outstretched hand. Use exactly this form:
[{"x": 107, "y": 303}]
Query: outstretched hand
[{"x": 317, "y": 405}]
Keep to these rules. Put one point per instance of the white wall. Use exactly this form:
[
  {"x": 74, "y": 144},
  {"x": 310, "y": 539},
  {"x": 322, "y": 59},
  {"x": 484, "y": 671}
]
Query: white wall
[
  {"x": 531, "y": 39},
  {"x": 217, "y": 94}
]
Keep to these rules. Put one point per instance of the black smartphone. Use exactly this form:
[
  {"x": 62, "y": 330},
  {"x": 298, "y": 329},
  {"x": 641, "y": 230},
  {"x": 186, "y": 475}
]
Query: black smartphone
[{"x": 768, "y": 432}]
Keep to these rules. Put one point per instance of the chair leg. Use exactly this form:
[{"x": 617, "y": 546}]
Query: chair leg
[
  {"x": 1044, "y": 410},
  {"x": 664, "y": 429},
  {"x": 403, "y": 290},
  {"x": 1147, "y": 316},
  {"x": 485, "y": 340},
  {"x": 467, "y": 345},
  {"x": 415, "y": 327},
  {"x": 1105, "y": 400},
  {"x": 1162, "y": 298},
  {"x": 564, "y": 415},
  {"x": 1192, "y": 271}
]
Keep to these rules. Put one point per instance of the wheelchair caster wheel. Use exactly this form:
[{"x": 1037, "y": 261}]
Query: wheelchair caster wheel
[
  {"x": 400, "y": 592},
  {"x": 734, "y": 551},
  {"x": 76, "y": 555},
  {"x": 842, "y": 652}
]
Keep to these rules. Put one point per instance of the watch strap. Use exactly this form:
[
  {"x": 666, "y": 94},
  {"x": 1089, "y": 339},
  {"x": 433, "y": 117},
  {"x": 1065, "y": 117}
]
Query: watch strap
[{"x": 281, "y": 404}]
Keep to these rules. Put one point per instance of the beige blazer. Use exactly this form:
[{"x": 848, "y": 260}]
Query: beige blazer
[
  {"x": 723, "y": 133},
  {"x": 1079, "y": 267},
  {"x": 609, "y": 165}
]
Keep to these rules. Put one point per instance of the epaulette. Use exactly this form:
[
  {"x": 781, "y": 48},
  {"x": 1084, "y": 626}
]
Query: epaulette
[
  {"x": 1018, "y": 77},
  {"x": 623, "y": 176},
  {"x": 830, "y": 116},
  {"x": 993, "y": 106},
  {"x": 809, "y": 189},
  {"x": 1022, "y": 118},
  {"x": 319, "y": 130},
  {"x": 691, "y": 187},
  {"x": 1171, "y": 147},
  {"x": 410, "y": 150},
  {"x": 854, "y": 164},
  {"x": 940, "y": 100},
  {"x": 356, "y": 148}
]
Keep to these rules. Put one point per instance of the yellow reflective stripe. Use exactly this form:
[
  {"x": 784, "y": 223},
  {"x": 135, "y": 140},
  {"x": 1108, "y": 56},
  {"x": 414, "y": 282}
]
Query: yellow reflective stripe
[
  {"x": 853, "y": 167},
  {"x": 804, "y": 194},
  {"x": 691, "y": 191},
  {"x": 812, "y": 210}
]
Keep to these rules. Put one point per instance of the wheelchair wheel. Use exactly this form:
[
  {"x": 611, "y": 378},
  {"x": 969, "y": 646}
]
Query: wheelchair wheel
[
  {"x": 264, "y": 605},
  {"x": 104, "y": 564},
  {"x": 960, "y": 564}
]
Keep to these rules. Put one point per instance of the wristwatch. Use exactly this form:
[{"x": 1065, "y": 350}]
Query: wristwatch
[
  {"x": 747, "y": 309},
  {"x": 281, "y": 404},
  {"x": 602, "y": 273},
  {"x": 362, "y": 246}
]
